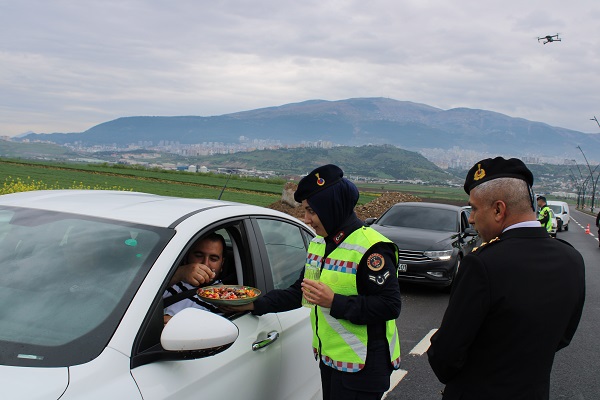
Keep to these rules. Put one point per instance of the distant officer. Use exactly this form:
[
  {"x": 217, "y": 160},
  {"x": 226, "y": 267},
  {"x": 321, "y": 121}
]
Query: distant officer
[
  {"x": 544, "y": 215},
  {"x": 516, "y": 300}
]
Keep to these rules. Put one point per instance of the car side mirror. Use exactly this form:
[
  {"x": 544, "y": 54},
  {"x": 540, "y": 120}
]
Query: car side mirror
[
  {"x": 470, "y": 232},
  {"x": 192, "y": 329},
  {"x": 370, "y": 221}
]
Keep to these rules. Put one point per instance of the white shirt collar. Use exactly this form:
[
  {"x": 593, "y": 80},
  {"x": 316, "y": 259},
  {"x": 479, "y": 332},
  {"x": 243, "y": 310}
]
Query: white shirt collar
[{"x": 524, "y": 224}]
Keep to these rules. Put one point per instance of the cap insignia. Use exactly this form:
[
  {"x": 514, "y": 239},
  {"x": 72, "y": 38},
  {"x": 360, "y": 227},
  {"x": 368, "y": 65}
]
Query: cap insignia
[
  {"x": 479, "y": 174},
  {"x": 320, "y": 181}
]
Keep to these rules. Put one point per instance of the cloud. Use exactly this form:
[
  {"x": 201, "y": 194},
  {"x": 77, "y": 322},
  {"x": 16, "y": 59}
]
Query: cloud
[{"x": 67, "y": 66}]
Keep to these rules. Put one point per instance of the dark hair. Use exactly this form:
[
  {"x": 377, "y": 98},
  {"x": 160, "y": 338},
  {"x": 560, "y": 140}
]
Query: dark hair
[{"x": 215, "y": 237}]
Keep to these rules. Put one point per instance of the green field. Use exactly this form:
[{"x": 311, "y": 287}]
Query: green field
[{"x": 168, "y": 183}]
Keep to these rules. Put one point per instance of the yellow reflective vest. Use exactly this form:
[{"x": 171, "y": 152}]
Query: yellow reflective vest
[
  {"x": 341, "y": 344},
  {"x": 545, "y": 211}
]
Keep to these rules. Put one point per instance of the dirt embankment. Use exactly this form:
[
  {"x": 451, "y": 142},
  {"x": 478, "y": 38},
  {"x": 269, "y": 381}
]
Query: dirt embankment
[{"x": 371, "y": 209}]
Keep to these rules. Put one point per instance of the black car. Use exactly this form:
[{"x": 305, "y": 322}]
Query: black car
[{"x": 432, "y": 239}]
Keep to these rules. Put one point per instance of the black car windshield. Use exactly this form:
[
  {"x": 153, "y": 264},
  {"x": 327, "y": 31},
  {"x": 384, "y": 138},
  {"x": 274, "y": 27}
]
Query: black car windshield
[
  {"x": 435, "y": 219},
  {"x": 66, "y": 283}
]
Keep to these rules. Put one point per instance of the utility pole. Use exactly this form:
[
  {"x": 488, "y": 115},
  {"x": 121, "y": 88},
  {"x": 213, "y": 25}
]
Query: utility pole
[
  {"x": 576, "y": 181},
  {"x": 582, "y": 192}
]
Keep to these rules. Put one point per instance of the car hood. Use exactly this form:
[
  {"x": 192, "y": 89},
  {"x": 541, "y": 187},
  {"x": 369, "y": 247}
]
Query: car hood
[
  {"x": 417, "y": 239},
  {"x": 33, "y": 383}
]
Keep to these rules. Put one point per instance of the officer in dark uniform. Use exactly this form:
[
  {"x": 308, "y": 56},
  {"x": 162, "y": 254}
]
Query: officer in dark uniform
[
  {"x": 517, "y": 299},
  {"x": 357, "y": 299},
  {"x": 598, "y": 226}
]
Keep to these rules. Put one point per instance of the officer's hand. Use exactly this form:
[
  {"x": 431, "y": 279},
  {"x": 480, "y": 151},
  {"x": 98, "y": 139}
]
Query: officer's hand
[
  {"x": 317, "y": 293},
  {"x": 236, "y": 309}
]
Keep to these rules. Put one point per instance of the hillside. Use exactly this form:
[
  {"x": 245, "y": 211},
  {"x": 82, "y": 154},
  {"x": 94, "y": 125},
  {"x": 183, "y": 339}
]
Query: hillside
[
  {"x": 386, "y": 162},
  {"x": 351, "y": 122}
]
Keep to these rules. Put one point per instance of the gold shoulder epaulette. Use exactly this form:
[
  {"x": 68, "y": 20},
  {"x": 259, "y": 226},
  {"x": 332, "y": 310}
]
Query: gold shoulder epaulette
[{"x": 496, "y": 239}]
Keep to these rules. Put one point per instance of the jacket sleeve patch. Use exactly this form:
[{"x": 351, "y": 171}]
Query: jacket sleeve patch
[{"x": 375, "y": 262}]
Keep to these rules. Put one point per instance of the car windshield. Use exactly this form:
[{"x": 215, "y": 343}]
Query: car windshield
[
  {"x": 67, "y": 279},
  {"x": 436, "y": 219},
  {"x": 555, "y": 208}
]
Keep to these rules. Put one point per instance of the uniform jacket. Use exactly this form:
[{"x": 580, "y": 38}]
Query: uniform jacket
[
  {"x": 340, "y": 343},
  {"x": 378, "y": 301},
  {"x": 516, "y": 301}
]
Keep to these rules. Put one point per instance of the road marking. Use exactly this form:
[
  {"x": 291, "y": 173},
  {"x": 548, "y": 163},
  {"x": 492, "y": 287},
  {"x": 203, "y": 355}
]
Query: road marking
[
  {"x": 395, "y": 379},
  {"x": 424, "y": 344},
  {"x": 418, "y": 350}
]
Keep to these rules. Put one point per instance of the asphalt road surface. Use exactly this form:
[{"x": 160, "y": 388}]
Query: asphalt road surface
[{"x": 576, "y": 372}]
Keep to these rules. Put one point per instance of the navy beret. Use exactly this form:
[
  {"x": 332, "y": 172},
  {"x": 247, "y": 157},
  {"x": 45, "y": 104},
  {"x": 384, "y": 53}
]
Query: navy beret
[
  {"x": 319, "y": 179},
  {"x": 488, "y": 169}
]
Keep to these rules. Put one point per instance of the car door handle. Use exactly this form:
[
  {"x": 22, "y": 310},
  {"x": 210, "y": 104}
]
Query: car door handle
[{"x": 271, "y": 337}]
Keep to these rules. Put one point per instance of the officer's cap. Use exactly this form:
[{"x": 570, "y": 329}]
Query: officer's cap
[
  {"x": 319, "y": 179},
  {"x": 488, "y": 169}
]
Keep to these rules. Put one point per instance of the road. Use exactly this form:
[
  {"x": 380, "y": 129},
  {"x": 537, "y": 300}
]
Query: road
[{"x": 575, "y": 372}]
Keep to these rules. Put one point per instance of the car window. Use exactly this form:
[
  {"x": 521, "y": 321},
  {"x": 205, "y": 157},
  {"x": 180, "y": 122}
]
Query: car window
[
  {"x": 430, "y": 218},
  {"x": 464, "y": 220},
  {"x": 557, "y": 209},
  {"x": 286, "y": 249},
  {"x": 67, "y": 279}
]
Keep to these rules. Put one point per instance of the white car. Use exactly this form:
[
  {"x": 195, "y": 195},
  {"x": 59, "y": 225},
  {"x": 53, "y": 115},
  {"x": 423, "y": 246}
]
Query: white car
[
  {"x": 83, "y": 273},
  {"x": 562, "y": 213}
]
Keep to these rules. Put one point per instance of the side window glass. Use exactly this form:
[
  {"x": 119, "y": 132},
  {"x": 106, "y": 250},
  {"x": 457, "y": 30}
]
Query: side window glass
[
  {"x": 465, "y": 219},
  {"x": 464, "y": 224},
  {"x": 286, "y": 250}
]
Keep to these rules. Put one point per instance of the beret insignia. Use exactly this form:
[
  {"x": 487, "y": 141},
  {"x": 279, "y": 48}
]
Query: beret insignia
[
  {"x": 375, "y": 262},
  {"x": 479, "y": 174},
  {"x": 320, "y": 181}
]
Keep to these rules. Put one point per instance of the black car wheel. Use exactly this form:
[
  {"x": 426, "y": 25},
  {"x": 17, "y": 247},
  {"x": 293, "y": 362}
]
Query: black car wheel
[{"x": 454, "y": 271}]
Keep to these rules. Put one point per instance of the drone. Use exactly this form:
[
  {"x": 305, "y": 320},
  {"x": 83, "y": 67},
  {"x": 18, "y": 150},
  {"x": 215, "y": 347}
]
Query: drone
[{"x": 549, "y": 38}]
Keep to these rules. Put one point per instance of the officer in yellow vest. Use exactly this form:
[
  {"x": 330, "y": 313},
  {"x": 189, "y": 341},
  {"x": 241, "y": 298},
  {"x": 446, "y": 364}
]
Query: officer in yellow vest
[
  {"x": 544, "y": 215},
  {"x": 357, "y": 298}
]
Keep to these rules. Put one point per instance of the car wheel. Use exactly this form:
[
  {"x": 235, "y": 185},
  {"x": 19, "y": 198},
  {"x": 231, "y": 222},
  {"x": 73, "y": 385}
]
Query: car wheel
[
  {"x": 454, "y": 272},
  {"x": 566, "y": 227},
  {"x": 559, "y": 226}
]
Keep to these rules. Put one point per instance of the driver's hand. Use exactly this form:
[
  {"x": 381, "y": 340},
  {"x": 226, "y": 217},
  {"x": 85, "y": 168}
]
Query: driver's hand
[{"x": 195, "y": 274}]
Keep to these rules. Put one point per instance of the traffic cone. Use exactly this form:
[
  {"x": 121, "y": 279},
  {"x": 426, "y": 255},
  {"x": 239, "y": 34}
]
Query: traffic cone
[{"x": 587, "y": 229}]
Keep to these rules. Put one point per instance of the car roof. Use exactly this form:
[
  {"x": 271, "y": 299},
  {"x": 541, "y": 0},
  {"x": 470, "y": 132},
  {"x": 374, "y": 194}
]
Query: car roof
[
  {"x": 134, "y": 207},
  {"x": 557, "y": 202},
  {"x": 429, "y": 205}
]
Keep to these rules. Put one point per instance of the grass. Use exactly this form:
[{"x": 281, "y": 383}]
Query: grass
[{"x": 263, "y": 192}]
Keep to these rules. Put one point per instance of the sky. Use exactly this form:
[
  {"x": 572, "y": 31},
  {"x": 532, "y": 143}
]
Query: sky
[{"x": 68, "y": 65}]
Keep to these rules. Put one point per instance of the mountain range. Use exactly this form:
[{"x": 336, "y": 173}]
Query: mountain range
[{"x": 350, "y": 122}]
